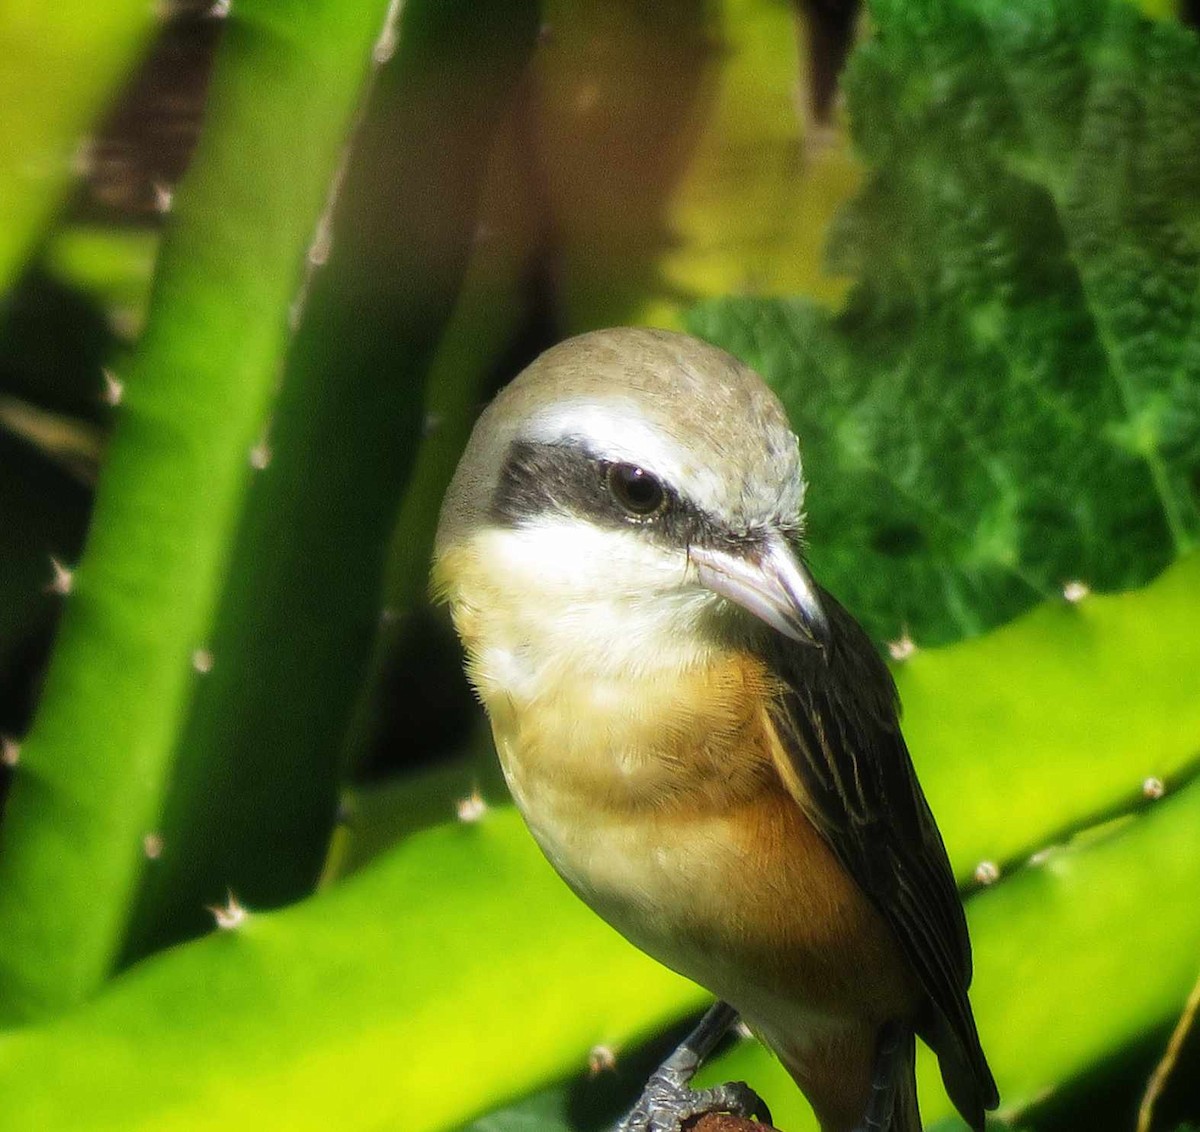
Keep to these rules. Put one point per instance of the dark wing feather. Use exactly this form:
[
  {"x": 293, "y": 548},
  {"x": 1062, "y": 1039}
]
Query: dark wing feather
[{"x": 839, "y": 722}]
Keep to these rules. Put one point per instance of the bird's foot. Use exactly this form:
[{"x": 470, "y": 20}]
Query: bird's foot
[{"x": 668, "y": 1103}]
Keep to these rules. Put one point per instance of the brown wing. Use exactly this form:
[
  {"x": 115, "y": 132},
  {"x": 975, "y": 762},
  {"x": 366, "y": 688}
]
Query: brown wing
[{"x": 839, "y": 722}]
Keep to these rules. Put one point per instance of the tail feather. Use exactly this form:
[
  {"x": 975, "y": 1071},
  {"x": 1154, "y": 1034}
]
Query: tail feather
[
  {"x": 906, "y": 1114},
  {"x": 965, "y": 1073},
  {"x": 893, "y": 1103}
]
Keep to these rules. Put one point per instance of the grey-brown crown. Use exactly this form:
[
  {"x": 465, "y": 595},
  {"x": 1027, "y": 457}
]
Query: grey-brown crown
[{"x": 687, "y": 411}]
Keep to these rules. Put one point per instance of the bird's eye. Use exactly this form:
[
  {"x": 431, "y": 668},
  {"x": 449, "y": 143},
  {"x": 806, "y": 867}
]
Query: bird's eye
[{"x": 637, "y": 492}]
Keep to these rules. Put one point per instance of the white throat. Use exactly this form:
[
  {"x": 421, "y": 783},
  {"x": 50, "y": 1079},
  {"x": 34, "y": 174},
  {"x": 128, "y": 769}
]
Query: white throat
[{"x": 566, "y": 598}]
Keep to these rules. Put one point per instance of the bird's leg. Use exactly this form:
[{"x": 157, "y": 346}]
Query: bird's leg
[
  {"x": 668, "y": 1099},
  {"x": 889, "y": 1060}
]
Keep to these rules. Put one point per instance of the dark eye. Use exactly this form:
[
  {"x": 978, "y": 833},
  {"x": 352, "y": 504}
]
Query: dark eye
[{"x": 636, "y": 490}]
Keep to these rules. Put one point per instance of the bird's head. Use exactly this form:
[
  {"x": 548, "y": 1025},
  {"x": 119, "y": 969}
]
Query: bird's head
[{"x": 634, "y": 469}]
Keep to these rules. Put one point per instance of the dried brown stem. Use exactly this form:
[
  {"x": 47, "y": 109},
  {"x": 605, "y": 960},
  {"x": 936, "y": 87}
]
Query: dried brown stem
[{"x": 1165, "y": 1067}]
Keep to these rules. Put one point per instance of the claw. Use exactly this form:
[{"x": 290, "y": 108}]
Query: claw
[
  {"x": 667, "y": 1105},
  {"x": 669, "y": 1101}
]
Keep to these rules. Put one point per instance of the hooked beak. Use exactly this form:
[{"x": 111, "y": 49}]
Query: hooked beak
[{"x": 767, "y": 578}]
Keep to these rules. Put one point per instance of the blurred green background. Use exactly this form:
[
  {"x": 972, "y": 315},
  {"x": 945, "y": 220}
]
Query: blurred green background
[{"x": 261, "y": 264}]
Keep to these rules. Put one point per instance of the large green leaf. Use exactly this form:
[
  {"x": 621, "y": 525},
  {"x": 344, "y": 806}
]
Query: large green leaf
[
  {"x": 1011, "y": 398},
  {"x": 453, "y": 973},
  {"x": 1099, "y": 696},
  {"x": 95, "y": 767}
]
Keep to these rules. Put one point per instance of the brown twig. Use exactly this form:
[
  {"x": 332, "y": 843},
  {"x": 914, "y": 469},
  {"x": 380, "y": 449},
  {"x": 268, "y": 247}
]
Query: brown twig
[{"x": 1163, "y": 1070}]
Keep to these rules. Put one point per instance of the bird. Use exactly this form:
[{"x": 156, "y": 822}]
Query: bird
[{"x": 703, "y": 742}]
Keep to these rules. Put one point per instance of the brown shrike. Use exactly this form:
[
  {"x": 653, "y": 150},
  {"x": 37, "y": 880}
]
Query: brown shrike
[{"x": 703, "y": 742}]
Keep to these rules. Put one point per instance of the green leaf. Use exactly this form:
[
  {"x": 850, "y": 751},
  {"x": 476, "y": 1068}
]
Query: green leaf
[
  {"x": 543, "y": 1112},
  {"x": 1088, "y": 700},
  {"x": 455, "y": 972},
  {"x": 378, "y": 816},
  {"x": 95, "y": 767},
  {"x": 62, "y": 63},
  {"x": 1011, "y": 397}
]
